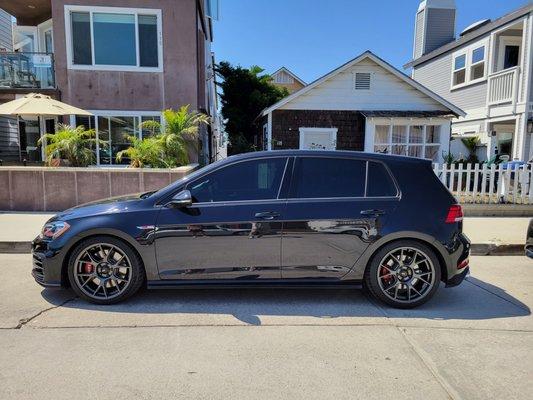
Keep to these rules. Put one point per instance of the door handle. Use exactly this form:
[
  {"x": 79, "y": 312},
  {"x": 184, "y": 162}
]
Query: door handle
[
  {"x": 267, "y": 215},
  {"x": 372, "y": 212}
]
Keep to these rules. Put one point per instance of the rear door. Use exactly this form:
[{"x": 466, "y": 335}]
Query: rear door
[{"x": 336, "y": 208}]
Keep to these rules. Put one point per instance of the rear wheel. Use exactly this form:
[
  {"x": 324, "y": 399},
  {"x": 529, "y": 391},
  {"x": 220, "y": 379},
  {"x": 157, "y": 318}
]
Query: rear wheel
[
  {"x": 403, "y": 274},
  {"x": 105, "y": 270}
]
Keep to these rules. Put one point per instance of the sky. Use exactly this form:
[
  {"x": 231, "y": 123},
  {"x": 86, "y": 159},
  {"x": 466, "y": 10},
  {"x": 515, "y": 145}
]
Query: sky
[{"x": 312, "y": 37}]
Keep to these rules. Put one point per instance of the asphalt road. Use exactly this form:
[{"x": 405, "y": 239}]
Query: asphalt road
[{"x": 470, "y": 342}]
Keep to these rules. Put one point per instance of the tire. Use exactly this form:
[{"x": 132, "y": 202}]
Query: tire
[
  {"x": 107, "y": 265},
  {"x": 403, "y": 274}
]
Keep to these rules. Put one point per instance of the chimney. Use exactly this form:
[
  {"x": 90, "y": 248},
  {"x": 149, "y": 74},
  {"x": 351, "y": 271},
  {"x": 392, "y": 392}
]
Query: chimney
[{"x": 434, "y": 26}]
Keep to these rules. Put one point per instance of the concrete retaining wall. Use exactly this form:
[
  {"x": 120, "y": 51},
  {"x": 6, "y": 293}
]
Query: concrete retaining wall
[{"x": 56, "y": 189}]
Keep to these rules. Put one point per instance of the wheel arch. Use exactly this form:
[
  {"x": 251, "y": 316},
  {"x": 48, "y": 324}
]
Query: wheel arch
[
  {"x": 111, "y": 233},
  {"x": 438, "y": 249}
]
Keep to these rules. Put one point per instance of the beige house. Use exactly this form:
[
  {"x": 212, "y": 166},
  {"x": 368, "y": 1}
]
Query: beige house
[
  {"x": 159, "y": 57},
  {"x": 285, "y": 78}
]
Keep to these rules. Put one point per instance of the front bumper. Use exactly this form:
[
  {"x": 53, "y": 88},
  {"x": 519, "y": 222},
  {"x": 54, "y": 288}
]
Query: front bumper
[{"x": 46, "y": 264}]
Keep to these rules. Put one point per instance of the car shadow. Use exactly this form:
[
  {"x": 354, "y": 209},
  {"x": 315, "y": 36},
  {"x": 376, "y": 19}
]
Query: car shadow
[{"x": 473, "y": 300}]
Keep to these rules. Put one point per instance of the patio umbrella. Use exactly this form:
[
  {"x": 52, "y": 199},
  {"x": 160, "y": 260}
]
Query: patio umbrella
[
  {"x": 42, "y": 106},
  {"x": 36, "y": 104}
]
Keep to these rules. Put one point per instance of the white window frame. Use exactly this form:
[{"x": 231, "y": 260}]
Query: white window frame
[
  {"x": 424, "y": 144},
  {"x": 113, "y": 10},
  {"x": 468, "y": 53},
  {"x": 115, "y": 113},
  {"x": 332, "y": 134}
]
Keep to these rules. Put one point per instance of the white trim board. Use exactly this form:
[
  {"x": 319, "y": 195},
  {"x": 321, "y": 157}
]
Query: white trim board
[
  {"x": 113, "y": 10},
  {"x": 367, "y": 54}
]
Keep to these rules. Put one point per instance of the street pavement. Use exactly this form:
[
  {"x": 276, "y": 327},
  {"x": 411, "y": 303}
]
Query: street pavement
[{"x": 474, "y": 341}]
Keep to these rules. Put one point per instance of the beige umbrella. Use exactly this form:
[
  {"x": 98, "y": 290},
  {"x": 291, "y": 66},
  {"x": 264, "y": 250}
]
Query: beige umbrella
[
  {"x": 39, "y": 105},
  {"x": 36, "y": 104}
]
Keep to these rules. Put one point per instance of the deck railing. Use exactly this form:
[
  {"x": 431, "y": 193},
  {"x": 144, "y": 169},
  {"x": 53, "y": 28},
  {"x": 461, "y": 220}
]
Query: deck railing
[
  {"x": 474, "y": 183},
  {"x": 27, "y": 70},
  {"x": 503, "y": 86}
]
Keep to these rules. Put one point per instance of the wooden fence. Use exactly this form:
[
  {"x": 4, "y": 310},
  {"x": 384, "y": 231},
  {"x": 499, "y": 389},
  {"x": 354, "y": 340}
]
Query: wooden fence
[{"x": 474, "y": 183}]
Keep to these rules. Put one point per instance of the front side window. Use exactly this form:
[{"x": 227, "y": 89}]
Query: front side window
[
  {"x": 115, "y": 39},
  {"x": 247, "y": 180},
  {"x": 459, "y": 70},
  {"x": 321, "y": 177}
]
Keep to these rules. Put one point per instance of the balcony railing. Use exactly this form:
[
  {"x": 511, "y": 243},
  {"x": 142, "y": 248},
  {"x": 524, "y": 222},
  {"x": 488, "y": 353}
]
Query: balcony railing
[
  {"x": 503, "y": 86},
  {"x": 27, "y": 71}
]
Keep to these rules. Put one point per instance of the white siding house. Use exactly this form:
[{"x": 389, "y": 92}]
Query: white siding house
[{"x": 366, "y": 104}]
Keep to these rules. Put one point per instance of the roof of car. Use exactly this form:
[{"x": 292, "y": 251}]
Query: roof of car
[{"x": 327, "y": 153}]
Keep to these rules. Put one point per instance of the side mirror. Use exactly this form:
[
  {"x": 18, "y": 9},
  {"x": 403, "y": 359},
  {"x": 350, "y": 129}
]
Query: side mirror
[{"x": 181, "y": 200}]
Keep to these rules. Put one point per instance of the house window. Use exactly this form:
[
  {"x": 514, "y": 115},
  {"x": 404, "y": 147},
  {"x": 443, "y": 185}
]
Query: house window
[
  {"x": 422, "y": 141},
  {"x": 113, "y": 38},
  {"x": 459, "y": 70},
  {"x": 477, "y": 68}
]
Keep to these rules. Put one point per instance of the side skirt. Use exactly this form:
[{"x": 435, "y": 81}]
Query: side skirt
[{"x": 263, "y": 284}]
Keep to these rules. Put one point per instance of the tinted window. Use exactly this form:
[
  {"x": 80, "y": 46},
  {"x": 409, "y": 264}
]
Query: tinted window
[
  {"x": 81, "y": 38},
  {"x": 320, "y": 177},
  {"x": 380, "y": 183},
  {"x": 247, "y": 180}
]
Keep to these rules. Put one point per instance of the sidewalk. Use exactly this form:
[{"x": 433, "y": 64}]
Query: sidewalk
[{"x": 496, "y": 236}]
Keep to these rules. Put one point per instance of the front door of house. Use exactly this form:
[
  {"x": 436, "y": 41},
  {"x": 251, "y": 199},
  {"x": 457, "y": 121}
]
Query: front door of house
[{"x": 318, "y": 138}]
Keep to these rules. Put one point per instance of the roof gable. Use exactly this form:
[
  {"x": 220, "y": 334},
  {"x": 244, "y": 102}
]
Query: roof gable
[
  {"x": 396, "y": 90},
  {"x": 288, "y": 72}
]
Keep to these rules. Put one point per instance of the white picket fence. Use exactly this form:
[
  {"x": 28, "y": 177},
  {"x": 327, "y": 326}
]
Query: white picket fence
[{"x": 474, "y": 183}]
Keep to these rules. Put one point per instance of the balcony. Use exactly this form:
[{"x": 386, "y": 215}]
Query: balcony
[
  {"x": 503, "y": 86},
  {"x": 26, "y": 71}
]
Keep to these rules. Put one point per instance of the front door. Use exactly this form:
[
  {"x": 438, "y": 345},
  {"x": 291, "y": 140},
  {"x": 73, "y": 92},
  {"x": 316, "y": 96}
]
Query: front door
[
  {"x": 333, "y": 215},
  {"x": 318, "y": 138},
  {"x": 233, "y": 228}
]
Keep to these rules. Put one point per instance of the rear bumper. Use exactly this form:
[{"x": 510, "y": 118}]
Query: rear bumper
[{"x": 457, "y": 267}]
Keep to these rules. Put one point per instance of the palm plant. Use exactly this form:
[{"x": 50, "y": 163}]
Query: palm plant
[
  {"x": 178, "y": 134},
  {"x": 74, "y": 144},
  {"x": 147, "y": 152},
  {"x": 471, "y": 145}
]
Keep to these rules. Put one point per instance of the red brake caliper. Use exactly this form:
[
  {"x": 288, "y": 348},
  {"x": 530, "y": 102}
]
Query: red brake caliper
[
  {"x": 384, "y": 271},
  {"x": 88, "y": 268}
]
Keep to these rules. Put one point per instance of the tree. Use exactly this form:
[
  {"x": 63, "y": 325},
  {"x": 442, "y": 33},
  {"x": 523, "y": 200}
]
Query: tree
[
  {"x": 178, "y": 134},
  {"x": 245, "y": 93},
  {"x": 76, "y": 145}
]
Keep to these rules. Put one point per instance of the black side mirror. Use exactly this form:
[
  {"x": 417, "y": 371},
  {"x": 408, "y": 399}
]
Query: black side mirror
[{"x": 181, "y": 200}]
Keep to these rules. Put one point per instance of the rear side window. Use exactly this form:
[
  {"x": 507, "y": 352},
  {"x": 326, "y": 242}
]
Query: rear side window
[
  {"x": 321, "y": 177},
  {"x": 247, "y": 180},
  {"x": 380, "y": 182}
]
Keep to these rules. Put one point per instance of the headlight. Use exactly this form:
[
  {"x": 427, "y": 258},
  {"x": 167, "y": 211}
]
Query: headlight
[{"x": 53, "y": 230}]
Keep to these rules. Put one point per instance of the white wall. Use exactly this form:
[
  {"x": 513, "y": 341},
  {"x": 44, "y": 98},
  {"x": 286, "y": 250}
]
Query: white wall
[{"x": 387, "y": 92}]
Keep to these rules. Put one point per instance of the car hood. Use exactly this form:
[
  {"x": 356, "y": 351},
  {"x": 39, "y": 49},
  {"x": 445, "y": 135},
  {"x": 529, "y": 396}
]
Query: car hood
[{"x": 105, "y": 206}]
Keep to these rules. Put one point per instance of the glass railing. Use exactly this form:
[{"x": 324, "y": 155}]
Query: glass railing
[{"x": 27, "y": 70}]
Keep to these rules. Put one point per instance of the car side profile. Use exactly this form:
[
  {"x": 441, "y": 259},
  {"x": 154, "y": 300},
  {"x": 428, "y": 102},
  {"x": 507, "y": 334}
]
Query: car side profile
[{"x": 277, "y": 219}]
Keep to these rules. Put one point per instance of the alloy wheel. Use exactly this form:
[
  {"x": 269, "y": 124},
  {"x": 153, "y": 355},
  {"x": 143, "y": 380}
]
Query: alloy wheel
[
  {"x": 102, "y": 271},
  {"x": 406, "y": 274}
]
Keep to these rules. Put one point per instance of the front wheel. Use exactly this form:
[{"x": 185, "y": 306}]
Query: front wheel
[
  {"x": 105, "y": 270},
  {"x": 403, "y": 274}
]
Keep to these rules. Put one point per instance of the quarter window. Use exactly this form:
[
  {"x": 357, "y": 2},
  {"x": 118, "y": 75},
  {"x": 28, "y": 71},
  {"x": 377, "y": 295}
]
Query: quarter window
[
  {"x": 379, "y": 182},
  {"x": 247, "y": 180},
  {"x": 116, "y": 39},
  {"x": 320, "y": 177}
]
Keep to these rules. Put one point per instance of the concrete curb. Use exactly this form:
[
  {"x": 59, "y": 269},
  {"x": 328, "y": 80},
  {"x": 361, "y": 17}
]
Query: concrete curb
[{"x": 477, "y": 249}]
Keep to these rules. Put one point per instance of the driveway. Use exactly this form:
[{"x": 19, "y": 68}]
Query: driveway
[{"x": 470, "y": 342}]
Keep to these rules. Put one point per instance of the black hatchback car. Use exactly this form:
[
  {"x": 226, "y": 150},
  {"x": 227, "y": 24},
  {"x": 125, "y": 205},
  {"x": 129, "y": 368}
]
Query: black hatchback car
[{"x": 277, "y": 219}]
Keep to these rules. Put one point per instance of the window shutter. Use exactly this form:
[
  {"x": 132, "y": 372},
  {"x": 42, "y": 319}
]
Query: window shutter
[{"x": 362, "y": 81}]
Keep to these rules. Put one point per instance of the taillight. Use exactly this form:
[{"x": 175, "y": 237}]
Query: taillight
[
  {"x": 455, "y": 214},
  {"x": 463, "y": 264}
]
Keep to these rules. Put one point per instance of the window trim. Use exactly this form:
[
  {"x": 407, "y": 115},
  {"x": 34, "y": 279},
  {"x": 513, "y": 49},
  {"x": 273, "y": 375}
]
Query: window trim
[
  {"x": 424, "y": 144},
  {"x": 113, "y": 10},
  {"x": 352, "y": 198},
  {"x": 235, "y": 202},
  {"x": 331, "y": 130},
  {"x": 468, "y": 52}
]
